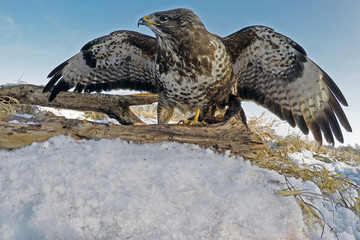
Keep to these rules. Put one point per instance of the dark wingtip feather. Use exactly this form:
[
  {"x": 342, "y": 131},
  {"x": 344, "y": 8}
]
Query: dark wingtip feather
[
  {"x": 57, "y": 69},
  {"x": 340, "y": 113},
  {"x": 61, "y": 86},
  {"x": 332, "y": 86},
  {"x": 79, "y": 88},
  {"x": 334, "y": 89},
  {"x": 325, "y": 128},
  {"x": 335, "y": 127},
  {"x": 300, "y": 122},
  {"x": 52, "y": 82},
  {"x": 288, "y": 116},
  {"x": 55, "y": 76},
  {"x": 315, "y": 129}
]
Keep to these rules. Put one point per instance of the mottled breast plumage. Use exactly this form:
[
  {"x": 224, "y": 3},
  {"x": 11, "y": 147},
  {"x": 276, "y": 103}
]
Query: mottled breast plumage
[{"x": 197, "y": 81}]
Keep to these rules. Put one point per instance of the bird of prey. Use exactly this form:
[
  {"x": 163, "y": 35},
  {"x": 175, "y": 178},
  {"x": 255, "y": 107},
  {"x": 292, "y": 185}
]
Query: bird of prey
[{"x": 196, "y": 71}]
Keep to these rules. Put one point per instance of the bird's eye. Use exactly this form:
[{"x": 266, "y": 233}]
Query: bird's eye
[{"x": 163, "y": 18}]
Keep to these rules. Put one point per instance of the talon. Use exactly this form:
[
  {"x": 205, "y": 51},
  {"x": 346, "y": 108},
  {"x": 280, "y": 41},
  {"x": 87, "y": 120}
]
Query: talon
[
  {"x": 192, "y": 122},
  {"x": 195, "y": 121}
]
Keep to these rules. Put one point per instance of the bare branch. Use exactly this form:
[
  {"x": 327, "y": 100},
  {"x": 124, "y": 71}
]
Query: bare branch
[{"x": 114, "y": 106}]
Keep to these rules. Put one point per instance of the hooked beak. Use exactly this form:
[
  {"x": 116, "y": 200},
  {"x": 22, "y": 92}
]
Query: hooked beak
[{"x": 146, "y": 21}]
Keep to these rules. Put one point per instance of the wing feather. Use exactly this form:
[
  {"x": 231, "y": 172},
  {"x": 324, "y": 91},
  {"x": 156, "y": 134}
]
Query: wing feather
[
  {"x": 275, "y": 72},
  {"x": 122, "y": 59}
]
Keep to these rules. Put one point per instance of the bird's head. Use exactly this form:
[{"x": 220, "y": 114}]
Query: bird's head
[{"x": 173, "y": 23}]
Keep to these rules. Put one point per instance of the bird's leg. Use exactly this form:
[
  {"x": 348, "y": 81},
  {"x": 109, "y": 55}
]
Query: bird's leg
[
  {"x": 164, "y": 114},
  {"x": 194, "y": 120},
  {"x": 235, "y": 108},
  {"x": 164, "y": 110}
]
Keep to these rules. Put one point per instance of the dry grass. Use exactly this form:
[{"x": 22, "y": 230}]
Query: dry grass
[
  {"x": 277, "y": 159},
  {"x": 7, "y": 106}
]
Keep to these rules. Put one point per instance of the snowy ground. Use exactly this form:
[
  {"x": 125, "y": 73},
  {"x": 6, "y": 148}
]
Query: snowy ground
[{"x": 110, "y": 189}]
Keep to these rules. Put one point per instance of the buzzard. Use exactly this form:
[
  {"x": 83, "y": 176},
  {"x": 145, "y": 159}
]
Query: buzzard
[{"x": 197, "y": 71}]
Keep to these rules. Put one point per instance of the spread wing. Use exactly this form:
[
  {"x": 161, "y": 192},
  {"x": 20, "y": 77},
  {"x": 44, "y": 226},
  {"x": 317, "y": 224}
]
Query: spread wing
[
  {"x": 275, "y": 72},
  {"x": 122, "y": 59}
]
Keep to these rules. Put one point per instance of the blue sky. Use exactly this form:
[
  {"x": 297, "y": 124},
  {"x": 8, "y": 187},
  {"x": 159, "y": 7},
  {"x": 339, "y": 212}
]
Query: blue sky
[{"x": 36, "y": 36}]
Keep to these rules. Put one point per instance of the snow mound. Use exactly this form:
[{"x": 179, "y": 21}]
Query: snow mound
[{"x": 111, "y": 189}]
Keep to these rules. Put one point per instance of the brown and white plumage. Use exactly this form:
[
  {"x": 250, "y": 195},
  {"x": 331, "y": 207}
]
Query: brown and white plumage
[
  {"x": 191, "y": 69},
  {"x": 275, "y": 72},
  {"x": 122, "y": 59}
]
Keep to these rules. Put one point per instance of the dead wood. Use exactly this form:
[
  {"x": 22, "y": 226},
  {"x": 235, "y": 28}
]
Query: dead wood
[
  {"x": 232, "y": 135},
  {"x": 115, "y": 106}
]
